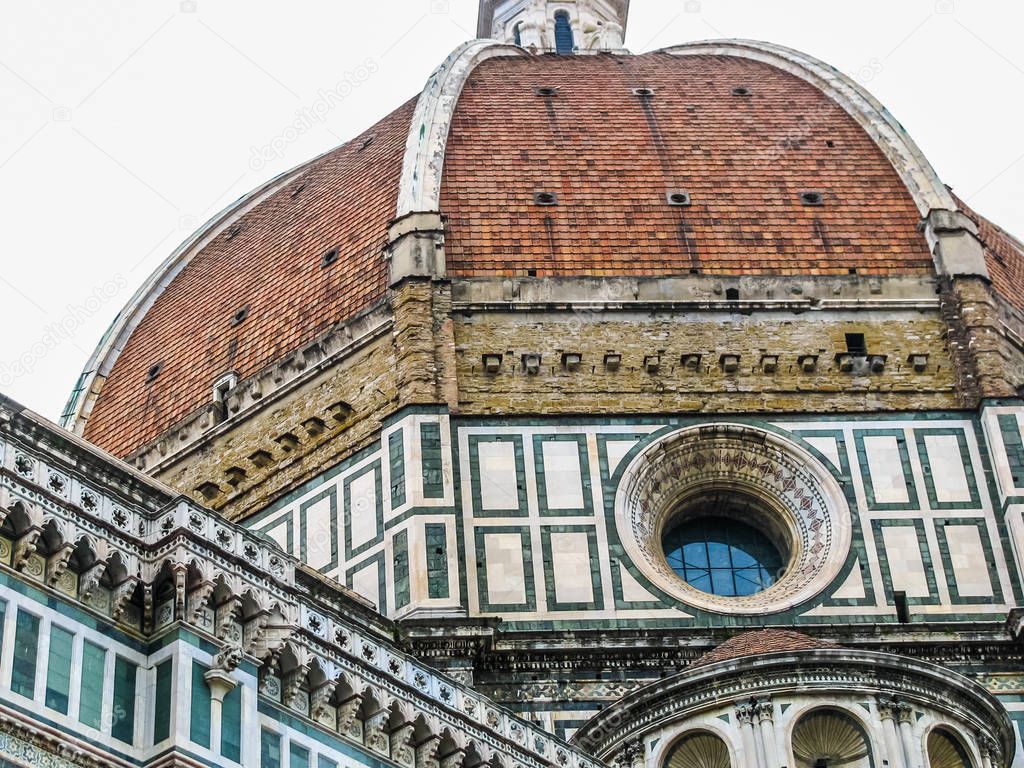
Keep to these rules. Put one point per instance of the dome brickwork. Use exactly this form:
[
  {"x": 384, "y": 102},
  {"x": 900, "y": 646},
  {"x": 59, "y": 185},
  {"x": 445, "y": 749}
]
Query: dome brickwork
[{"x": 611, "y": 157}]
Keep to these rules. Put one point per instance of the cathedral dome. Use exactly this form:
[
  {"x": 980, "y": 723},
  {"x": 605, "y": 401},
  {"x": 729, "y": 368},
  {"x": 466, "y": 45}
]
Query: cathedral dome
[{"x": 719, "y": 159}]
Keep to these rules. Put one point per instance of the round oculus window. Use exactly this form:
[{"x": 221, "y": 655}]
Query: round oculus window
[{"x": 733, "y": 519}]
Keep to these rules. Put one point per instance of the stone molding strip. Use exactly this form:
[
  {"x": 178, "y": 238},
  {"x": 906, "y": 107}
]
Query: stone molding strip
[{"x": 420, "y": 188}]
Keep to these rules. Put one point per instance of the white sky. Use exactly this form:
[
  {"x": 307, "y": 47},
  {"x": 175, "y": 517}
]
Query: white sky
[{"x": 125, "y": 125}]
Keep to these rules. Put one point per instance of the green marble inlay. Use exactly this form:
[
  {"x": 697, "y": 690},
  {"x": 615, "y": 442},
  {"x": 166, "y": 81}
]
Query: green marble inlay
[
  {"x": 1014, "y": 446},
  {"x": 94, "y": 662},
  {"x": 542, "y": 482},
  {"x": 123, "y": 715},
  {"x": 396, "y": 464},
  {"x": 974, "y": 502},
  {"x": 480, "y": 533},
  {"x": 298, "y": 757},
  {"x": 58, "y": 669},
  {"x": 199, "y": 711},
  {"x": 597, "y": 602},
  {"x": 865, "y": 469},
  {"x": 382, "y": 598},
  {"x": 990, "y": 563},
  {"x": 231, "y": 725},
  {"x": 270, "y": 749},
  {"x": 430, "y": 460},
  {"x": 362, "y": 507},
  {"x": 162, "y": 721},
  {"x": 284, "y": 519},
  {"x": 519, "y": 507},
  {"x": 26, "y": 647},
  {"x": 401, "y": 568},
  {"x": 437, "y": 560},
  {"x": 887, "y": 568},
  {"x": 323, "y": 538}
]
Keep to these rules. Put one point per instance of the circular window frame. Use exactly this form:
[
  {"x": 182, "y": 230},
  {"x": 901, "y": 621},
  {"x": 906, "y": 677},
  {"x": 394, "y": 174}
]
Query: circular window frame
[{"x": 803, "y": 496}]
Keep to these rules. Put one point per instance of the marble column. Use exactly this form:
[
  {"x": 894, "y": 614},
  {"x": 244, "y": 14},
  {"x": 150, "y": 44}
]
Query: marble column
[
  {"x": 766, "y": 720},
  {"x": 911, "y": 749},
  {"x": 893, "y": 748},
  {"x": 991, "y": 754},
  {"x": 752, "y": 756}
]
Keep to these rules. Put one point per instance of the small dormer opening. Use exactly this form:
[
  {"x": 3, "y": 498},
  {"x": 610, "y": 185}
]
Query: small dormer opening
[
  {"x": 855, "y": 345},
  {"x": 563, "y": 34},
  {"x": 221, "y": 389},
  {"x": 902, "y": 607},
  {"x": 329, "y": 258},
  {"x": 517, "y": 33}
]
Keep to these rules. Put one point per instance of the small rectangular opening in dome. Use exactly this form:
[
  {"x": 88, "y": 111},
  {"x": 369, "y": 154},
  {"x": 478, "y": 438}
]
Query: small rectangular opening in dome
[{"x": 855, "y": 344}]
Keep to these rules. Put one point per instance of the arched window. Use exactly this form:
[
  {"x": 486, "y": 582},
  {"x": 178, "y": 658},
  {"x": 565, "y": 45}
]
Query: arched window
[
  {"x": 699, "y": 750},
  {"x": 946, "y": 751},
  {"x": 827, "y": 738},
  {"x": 517, "y": 33},
  {"x": 563, "y": 34}
]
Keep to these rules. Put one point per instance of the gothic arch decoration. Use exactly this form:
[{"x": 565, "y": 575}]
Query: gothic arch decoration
[
  {"x": 801, "y": 503},
  {"x": 698, "y": 749},
  {"x": 832, "y": 736},
  {"x": 906, "y": 157},
  {"x": 945, "y": 750}
]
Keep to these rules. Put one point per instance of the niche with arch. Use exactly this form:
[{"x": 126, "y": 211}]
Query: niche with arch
[
  {"x": 699, "y": 750},
  {"x": 946, "y": 751},
  {"x": 828, "y": 738}
]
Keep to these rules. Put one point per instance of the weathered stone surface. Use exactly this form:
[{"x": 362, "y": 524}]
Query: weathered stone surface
[
  {"x": 708, "y": 387},
  {"x": 366, "y": 381}
]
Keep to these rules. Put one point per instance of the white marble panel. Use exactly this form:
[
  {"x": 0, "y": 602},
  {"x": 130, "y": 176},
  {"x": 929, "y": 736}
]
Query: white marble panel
[
  {"x": 563, "y": 477},
  {"x": 570, "y": 566},
  {"x": 506, "y": 580}
]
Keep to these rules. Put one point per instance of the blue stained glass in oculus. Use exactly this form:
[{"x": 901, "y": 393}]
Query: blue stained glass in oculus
[{"x": 722, "y": 556}]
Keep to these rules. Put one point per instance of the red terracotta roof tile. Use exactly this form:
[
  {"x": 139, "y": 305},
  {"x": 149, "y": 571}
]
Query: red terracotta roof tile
[
  {"x": 761, "y": 642},
  {"x": 272, "y": 266},
  {"x": 611, "y": 156}
]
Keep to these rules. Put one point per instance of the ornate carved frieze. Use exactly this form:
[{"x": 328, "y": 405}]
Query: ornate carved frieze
[{"x": 152, "y": 559}]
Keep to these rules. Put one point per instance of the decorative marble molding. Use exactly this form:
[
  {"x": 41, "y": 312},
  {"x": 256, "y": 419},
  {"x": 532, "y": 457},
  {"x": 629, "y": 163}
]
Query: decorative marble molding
[
  {"x": 800, "y": 497},
  {"x": 420, "y": 188}
]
